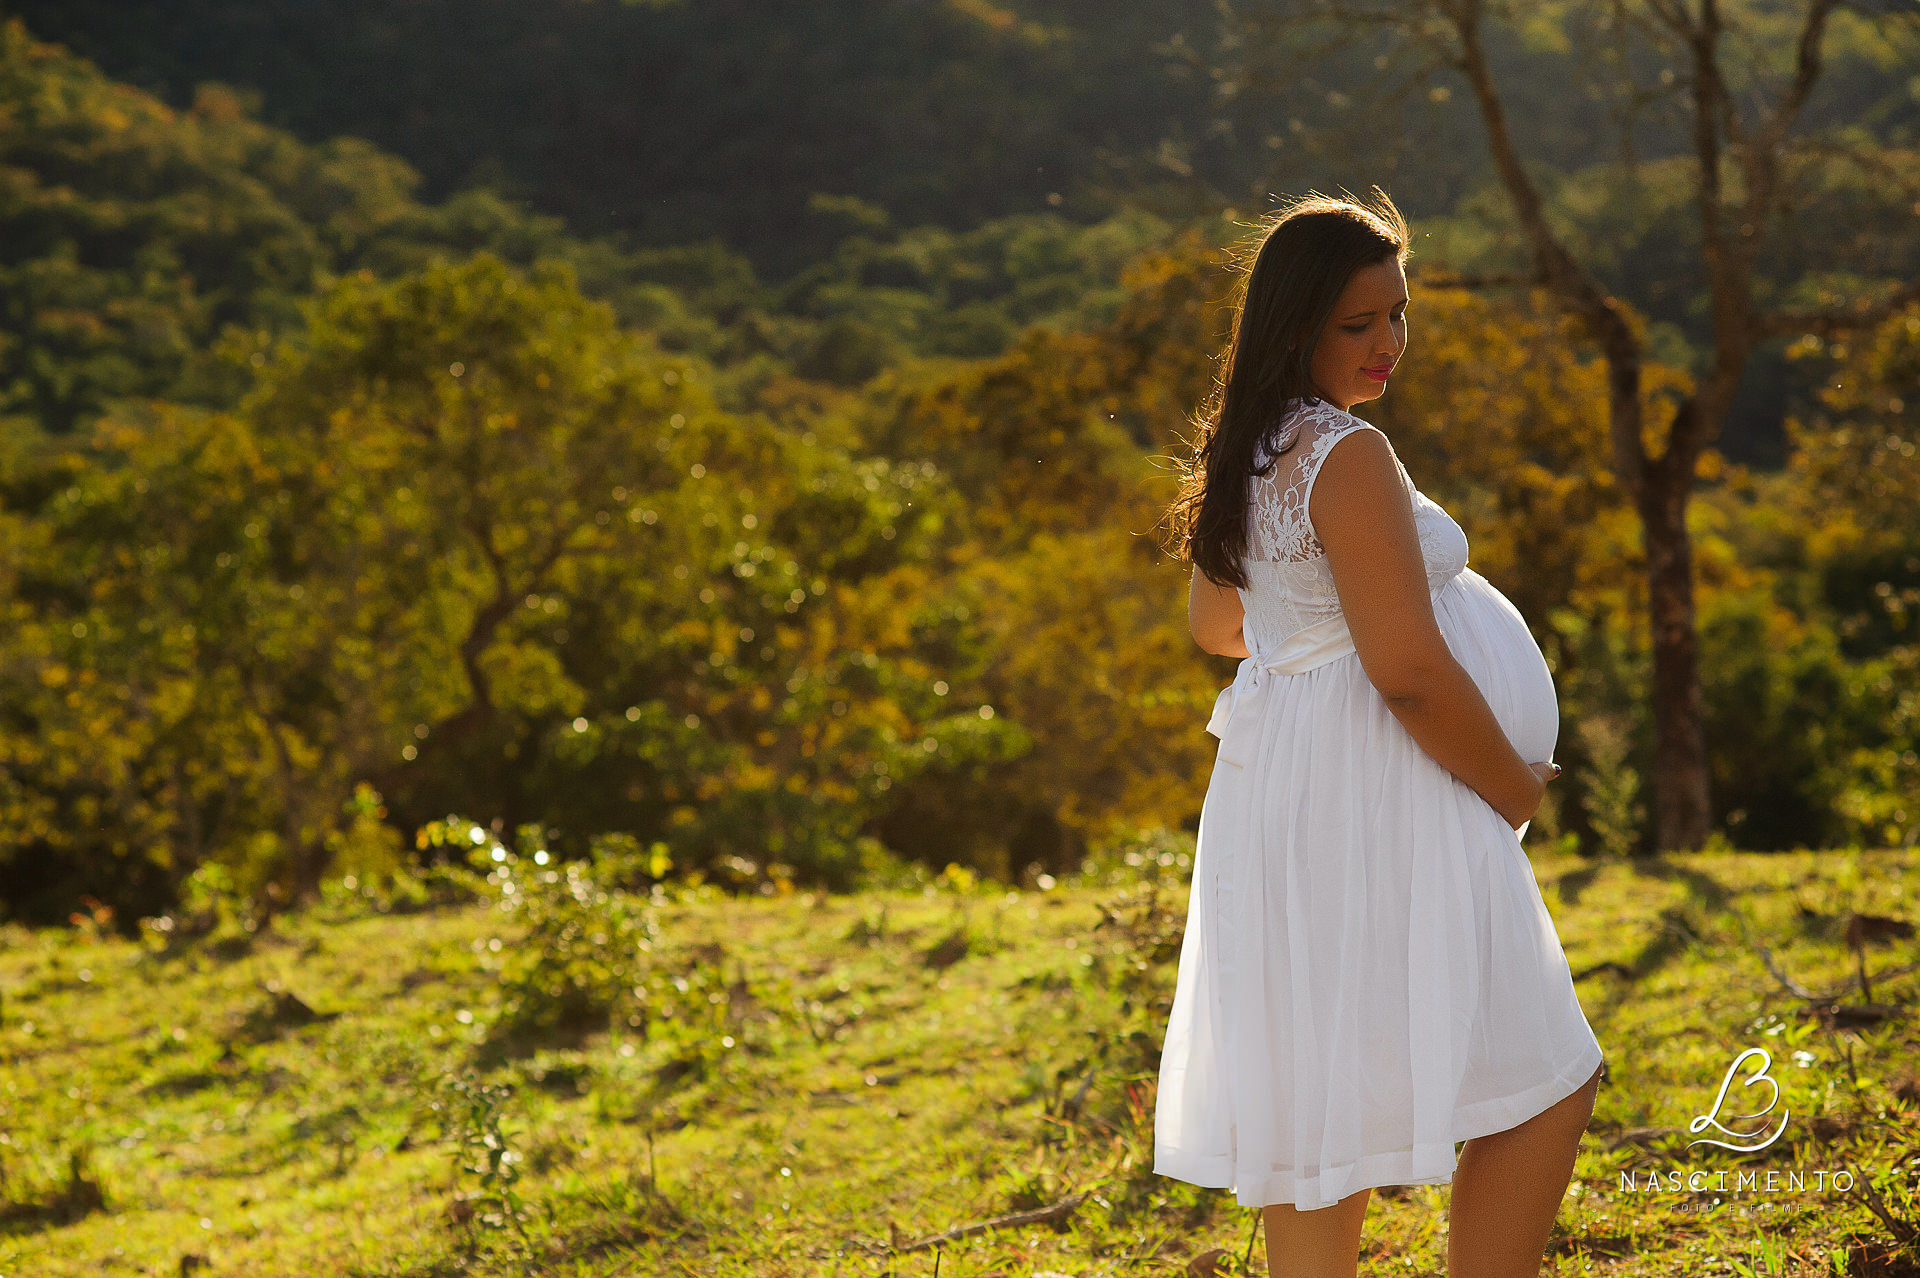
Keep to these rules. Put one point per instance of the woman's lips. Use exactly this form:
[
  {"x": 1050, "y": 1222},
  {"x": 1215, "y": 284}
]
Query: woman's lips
[{"x": 1378, "y": 374}]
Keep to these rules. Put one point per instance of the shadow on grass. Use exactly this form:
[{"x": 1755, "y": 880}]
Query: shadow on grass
[
  {"x": 32, "y": 1208},
  {"x": 1706, "y": 889},
  {"x": 1574, "y": 882}
]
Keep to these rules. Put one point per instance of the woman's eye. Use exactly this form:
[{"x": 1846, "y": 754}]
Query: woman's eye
[{"x": 1356, "y": 330}]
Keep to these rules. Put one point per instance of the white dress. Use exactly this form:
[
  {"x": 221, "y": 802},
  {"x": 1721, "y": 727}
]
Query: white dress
[{"x": 1368, "y": 974}]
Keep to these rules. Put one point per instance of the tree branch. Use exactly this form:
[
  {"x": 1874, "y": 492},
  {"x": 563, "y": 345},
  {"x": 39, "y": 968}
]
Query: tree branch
[
  {"x": 1632, "y": 99},
  {"x": 1889, "y": 175},
  {"x": 1674, "y": 14},
  {"x": 1838, "y": 320},
  {"x": 1483, "y": 280},
  {"x": 1707, "y": 90},
  {"x": 1055, "y": 1211},
  {"x": 1760, "y": 160},
  {"x": 1806, "y": 70},
  {"x": 1575, "y": 289},
  {"x": 1556, "y": 265},
  {"x": 1729, "y": 270}
]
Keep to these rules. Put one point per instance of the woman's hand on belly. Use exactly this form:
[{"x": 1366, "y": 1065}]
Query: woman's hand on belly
[
  {"x": 1545, "y": 772},
  {"x": 1449, "y": 717}
]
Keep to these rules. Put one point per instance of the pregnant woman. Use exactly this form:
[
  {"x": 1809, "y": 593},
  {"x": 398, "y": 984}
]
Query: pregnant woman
[{"x": 1369, "y": 975}]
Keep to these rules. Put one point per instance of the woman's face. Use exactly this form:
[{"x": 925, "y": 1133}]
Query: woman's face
[{"x": 1364, "y": 337}]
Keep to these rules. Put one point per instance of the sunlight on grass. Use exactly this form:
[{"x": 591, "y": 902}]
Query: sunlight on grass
[{"x": 811, "y": 1084}]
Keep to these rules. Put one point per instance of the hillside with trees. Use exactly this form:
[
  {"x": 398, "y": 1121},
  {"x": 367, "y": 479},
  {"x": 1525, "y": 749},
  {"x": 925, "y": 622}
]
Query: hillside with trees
[{"x": 332, "y": 511}]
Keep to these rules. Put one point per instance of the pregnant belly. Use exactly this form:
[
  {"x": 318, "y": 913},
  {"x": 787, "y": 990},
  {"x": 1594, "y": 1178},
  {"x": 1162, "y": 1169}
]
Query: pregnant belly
[{"x": 1490, "y": 639}]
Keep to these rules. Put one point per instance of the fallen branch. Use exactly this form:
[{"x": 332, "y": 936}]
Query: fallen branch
[
  {"x": 1851, "y": 1015},
  {"x": 1869, "y": 929},
  {"x": 1863, "y": 1192},
  {"x": 1787, "y": 983},
  {"x": 1829, "y": 1002},
  {"x": 1041, "y": 1215},
  {"x": 1644, "y": 1137}
]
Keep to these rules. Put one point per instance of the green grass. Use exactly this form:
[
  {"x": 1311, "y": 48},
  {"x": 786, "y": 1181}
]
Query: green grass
[{"x": 898, "y": 1061}]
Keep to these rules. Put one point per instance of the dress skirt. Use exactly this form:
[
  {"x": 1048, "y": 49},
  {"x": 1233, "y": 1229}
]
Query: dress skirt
[{"x": 1369, "y": 974}]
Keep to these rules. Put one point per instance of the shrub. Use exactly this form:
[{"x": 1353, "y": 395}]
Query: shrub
[
  {"x": 1613, "y": 805},
  {"x": 584, "y": 951}
]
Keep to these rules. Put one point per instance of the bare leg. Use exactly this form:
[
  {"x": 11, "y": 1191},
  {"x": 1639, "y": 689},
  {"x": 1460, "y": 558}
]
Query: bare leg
[
  {"x": 1507, "y": 1189},
  {"x": 1323, "y": 1243}
]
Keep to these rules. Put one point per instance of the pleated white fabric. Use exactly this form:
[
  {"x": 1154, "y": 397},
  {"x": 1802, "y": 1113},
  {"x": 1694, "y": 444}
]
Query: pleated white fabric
[{"x": 1369, "y": 974}]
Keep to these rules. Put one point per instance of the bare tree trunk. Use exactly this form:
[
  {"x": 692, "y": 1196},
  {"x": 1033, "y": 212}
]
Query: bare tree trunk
[
  {"x": 1682, "y": 808},
  {"x": 1659, "y": 488}
]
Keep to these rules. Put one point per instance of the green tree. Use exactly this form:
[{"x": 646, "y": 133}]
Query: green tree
[{"x": 473, "y": 543}]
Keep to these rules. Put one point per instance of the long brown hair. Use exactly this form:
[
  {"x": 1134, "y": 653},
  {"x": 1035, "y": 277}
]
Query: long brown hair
[{"x": 1302, "y": 257}]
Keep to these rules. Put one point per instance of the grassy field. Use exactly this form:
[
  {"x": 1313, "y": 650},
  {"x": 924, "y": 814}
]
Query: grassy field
[{"x": 809, "y": 1084}]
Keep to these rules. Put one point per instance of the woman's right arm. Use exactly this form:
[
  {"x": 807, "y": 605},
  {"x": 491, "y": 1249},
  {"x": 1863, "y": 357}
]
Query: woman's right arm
[
  {"x": 1217, "y": 616},
  {"x": 1363, "y": 517}
]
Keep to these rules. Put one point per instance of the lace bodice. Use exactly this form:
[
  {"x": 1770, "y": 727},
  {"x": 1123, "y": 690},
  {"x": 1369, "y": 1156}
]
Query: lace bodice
[{"x": 1290, "y": 582}]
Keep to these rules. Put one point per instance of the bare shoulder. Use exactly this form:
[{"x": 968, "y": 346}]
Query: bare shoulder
[
  {"x": 1363, "y": 515},
  {"x": 1358, "y": 477}
]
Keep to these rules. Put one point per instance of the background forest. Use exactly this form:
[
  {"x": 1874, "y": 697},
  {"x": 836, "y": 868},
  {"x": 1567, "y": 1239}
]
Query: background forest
[{"x": 614, "y": 419}]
